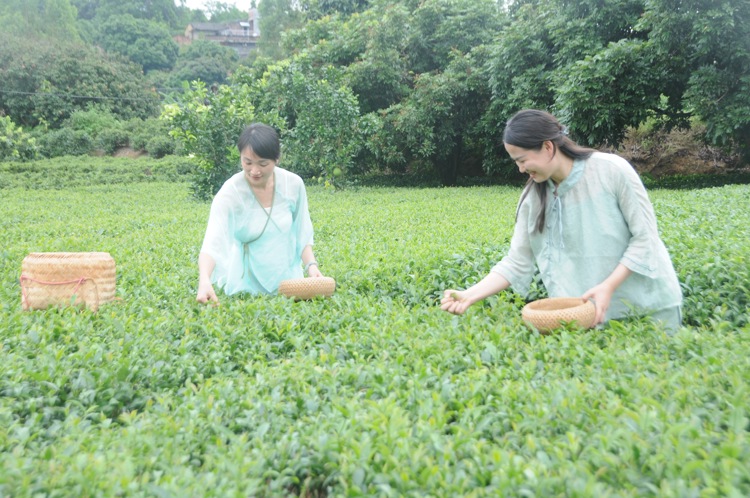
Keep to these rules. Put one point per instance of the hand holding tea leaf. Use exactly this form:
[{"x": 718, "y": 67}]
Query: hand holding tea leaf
[{"x": 454, "y": 302}]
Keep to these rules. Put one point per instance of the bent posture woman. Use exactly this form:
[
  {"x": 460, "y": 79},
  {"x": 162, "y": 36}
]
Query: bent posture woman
[{"x": 586, "y": 223}]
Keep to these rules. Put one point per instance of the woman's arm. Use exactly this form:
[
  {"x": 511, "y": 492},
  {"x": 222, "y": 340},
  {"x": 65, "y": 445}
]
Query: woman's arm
[
  {"x": 206, "y": 265},
  {"x": 308, "y": 259},
  {"x": 457, "y": 302}
]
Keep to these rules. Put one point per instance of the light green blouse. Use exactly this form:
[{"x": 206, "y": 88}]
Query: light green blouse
[
  {"x": 248, "y": 257},
  {"x": 600, "y": 216}
]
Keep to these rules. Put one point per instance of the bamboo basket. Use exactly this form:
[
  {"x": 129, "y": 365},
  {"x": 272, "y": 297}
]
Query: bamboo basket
[
  {"x": 67, "y": 278},
  {"x": 548, "y": 314},
  {"x": 307, "y": 288}
]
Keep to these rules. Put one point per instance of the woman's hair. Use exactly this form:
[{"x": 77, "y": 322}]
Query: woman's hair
[
  {"x": 529, "y": 129},
  {"x": 262, "y": 139}
]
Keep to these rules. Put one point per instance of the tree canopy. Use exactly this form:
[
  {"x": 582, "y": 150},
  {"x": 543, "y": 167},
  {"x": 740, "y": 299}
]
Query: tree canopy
[
  {"x": 45, "y": 82},
  {"x": 432, "y": 81}
]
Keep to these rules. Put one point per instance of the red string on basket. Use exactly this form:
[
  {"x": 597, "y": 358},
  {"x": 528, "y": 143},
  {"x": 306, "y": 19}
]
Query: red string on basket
[{"x": 79, "y": 281}]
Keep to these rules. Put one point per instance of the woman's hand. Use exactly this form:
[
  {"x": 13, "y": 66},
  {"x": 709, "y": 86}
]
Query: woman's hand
[
  {"x": 313, "y": 272},
  {"x": 601, "y": 295},
  {"x": 206, "y": 293},
  {"x": 454, "y": 302}
]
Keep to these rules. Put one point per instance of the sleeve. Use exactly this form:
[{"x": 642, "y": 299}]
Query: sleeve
[
  {"x": 517, "y": 267},
  {"x": 302, "y": 222},
  {"x": 641, "y": 254},
  {"x": 217, "y": 240}
]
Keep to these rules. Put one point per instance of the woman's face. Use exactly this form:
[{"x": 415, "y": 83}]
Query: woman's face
[
  {"x": 538, "y": 164},
  {"x": 257, "y": 169}
]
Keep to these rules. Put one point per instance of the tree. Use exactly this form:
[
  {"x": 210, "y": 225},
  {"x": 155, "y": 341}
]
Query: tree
[
  {"x": 208, "y": 123},
  {"x": 203, "y": 60},
  {"x": 45, "y": 82},
  {"x": 276, "y": 16},
  {"x": 438, "y": 121},
  {"x": 438, "y": 28},
  {"x": 160, "y": 11},
  {"x": 54, "y": 19},
  {"x": 223, "y": 12},
  {"x": 315, "y": 9},
  {"x": 321, "y": 115},
  {"x": 703, "y": 48},
  {"x": 604, "y": 94},
  {"x": 147, "y": 43}
]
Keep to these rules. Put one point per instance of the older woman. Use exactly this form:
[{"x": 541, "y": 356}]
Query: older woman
[{"x": 259, "y": 230}]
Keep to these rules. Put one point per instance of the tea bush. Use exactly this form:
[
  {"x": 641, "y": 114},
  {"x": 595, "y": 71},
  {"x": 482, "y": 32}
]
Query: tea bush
[
  {"x": 374, "y": 391},
  {"x": 67, "y": 171}
]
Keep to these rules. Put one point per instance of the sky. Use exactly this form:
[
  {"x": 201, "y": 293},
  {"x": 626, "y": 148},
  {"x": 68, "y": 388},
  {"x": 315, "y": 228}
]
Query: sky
[{"x": 201, "y": 4}]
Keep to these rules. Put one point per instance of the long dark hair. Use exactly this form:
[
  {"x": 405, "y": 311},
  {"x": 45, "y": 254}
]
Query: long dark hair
[
  {"x": 262, "y": 139},
  {"x": 529, "y": 129}
]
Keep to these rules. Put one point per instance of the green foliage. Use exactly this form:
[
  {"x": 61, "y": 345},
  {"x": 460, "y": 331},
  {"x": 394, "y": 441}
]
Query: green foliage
[
  {"x": 161, "y": 11},
  {"x": 602, "y": 95},
  {"x": 92, "y": 121},
  {"x": 65, "y": 142},
  {"x": 35, "y": 19},
  {"x": 145, "y": 42},
  {"x": 143, "y": 131},
  {"x": 203, "y": 60},
  {"x": 706, "y": 249},
  {"x": 15, "y": 144},
  {"x": 440, "y": 28},
  {"x": 64, "y": 172},
  {"x": 207, "y": 70},
  {"x": 438, "y": 121},
  {"x": 373, "y": 392},
  {"x": 45, "y": 82},
  {"x": 315, "y": 9},
  {"x": 704, "y": 61},
  {"x": 160, "y": 146},
  {"x": 111, "y": 139},
  {"x": 276, "y": 16},
  {"x": 724, "y": 102},
  {"x": 207, "y": 123},
  {"x": 322, "y": 117},
  {"x": 379, "y": 75}
]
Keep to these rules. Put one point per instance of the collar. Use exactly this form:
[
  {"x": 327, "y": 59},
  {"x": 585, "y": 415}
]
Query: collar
[{"x": 570, "y": 181}]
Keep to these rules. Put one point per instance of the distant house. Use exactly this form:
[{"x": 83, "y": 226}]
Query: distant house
[{"x": 242, "y": 36}]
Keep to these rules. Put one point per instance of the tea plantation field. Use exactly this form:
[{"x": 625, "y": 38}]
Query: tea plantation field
[{"x": 375, "y": 391}]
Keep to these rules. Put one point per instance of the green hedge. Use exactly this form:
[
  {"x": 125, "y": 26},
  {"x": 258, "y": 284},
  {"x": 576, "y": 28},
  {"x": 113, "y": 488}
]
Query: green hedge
[{"x": 68, "y": 171}]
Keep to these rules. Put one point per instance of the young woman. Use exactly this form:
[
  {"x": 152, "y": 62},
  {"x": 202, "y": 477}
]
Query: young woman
[
  {"x": 259, "y": 230},
  {"x": 586, "y": 223}
]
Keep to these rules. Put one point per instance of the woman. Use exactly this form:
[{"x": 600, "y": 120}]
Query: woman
[
  {"x": 585, "y": 222},
  {"x": 259, "y": 230}
]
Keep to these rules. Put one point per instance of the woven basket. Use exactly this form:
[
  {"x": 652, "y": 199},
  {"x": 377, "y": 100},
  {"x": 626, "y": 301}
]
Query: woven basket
[
  {"x": 67, "y": 278},
  {"x": 307, "y": 288},
  {"x": 547, "y": 314}
]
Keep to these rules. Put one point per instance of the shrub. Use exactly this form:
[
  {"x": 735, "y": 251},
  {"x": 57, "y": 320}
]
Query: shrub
[
  {"x": 92, "y": 121},
  {"x": 207, "y": 124},
  {"x": 142, "y": 131},
  {"x": 159, "y": 147},
  {"x": 65, "y": 142},
  {"x": 112, "y": 139},
  {"x": 15, "y": 144}
]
